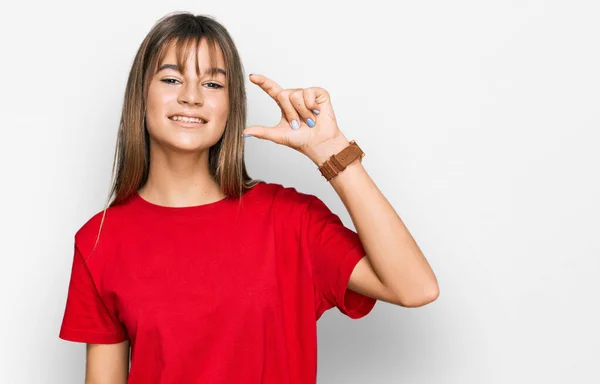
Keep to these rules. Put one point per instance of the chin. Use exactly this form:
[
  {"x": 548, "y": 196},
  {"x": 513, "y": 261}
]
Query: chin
[
  {"x": 186, "y": 146},
  {"x": 187, "y": 143}
]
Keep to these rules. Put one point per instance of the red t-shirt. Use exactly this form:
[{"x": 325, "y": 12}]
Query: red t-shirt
[{"x": 226, "y": 292}]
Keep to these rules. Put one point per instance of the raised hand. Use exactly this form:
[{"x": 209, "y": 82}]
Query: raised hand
[{"x": 307, "y": 124}]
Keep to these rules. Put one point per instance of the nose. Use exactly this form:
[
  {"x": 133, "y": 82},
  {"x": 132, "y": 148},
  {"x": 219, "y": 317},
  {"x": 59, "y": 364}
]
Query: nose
[{"x": 190, "y": 95}]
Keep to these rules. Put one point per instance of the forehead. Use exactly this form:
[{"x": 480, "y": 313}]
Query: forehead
[{"x": 192, "y": 54}]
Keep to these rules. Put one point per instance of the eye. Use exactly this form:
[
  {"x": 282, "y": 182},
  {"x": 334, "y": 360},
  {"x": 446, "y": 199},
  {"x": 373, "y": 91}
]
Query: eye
[
  {"x": 169, "y": 81},
  {"x": 216, "y": 86}
]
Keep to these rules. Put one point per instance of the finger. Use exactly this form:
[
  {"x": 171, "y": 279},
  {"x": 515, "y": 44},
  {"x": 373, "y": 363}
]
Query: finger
[
  {"x": 269, "y": 86},
  {"x": 310, "y": 100},
  {"x": 298, "y": 101},
  {"x": 317, "y": 98},
  {"x": 267, "y": 133},
  {"x": 287, "y": 108}
]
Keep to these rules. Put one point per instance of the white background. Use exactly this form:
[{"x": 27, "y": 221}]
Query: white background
[{"x": 480, "y": 121}]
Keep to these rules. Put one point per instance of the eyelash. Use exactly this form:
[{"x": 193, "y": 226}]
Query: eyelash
[{"x": 216, "y": 86}]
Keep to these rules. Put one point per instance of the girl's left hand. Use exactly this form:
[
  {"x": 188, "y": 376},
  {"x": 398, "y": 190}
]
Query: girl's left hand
[{"x": 307, "y": 122}]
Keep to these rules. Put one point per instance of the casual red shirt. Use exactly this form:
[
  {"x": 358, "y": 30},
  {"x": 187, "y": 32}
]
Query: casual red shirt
[{"x": 226, "y": 292}]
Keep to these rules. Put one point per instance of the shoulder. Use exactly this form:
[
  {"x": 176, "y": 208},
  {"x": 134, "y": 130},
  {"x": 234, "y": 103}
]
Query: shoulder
[
  {"x": 108, "y": 221},
  {"x": 284, "y": 197},
  {"x": 291, "y": 207}
]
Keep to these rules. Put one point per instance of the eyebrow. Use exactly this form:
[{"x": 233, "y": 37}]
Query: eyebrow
[{"x": 211, "y": 71}]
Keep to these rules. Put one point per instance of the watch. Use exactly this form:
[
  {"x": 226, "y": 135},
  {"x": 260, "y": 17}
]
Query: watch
[{"x": 338, "y": 162}]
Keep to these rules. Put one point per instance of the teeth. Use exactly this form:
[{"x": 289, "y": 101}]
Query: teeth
[{"x": 187, "y": 119}]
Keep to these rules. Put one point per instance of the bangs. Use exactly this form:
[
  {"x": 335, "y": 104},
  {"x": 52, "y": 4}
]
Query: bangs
[{"x": 184, "y": 47}]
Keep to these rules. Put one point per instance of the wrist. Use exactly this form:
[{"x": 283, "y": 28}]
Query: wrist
[{"x": 325, "y": 150}]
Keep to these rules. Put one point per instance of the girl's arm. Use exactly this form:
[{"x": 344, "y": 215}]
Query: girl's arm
[
  {"x": 395, "y": 269},
  {"x": 107, "y": 363}
]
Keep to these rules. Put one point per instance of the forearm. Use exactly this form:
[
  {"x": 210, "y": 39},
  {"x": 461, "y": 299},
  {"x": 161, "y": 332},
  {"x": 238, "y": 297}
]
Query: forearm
[{"x": 393, "y": 253}]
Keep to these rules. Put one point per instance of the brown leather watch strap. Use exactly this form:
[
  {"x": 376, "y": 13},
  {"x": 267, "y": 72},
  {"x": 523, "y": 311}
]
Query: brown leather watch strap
[{"x": 340, "y": 161}]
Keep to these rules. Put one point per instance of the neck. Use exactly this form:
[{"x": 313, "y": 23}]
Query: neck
[{"x": 178, "y": 179}]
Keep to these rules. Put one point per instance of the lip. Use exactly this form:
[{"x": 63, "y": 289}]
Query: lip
[
  {"x": 188, "y": 114},
  {"x": 187, "y": 124}
]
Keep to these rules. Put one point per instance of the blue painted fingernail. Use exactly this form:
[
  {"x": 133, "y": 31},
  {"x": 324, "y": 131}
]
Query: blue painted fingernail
[
  {"x": 310, "y": 123},
  {"x": 248, "y": 135},
  {"x": 316, "y": 111},
  {"x": 295, "y": 124}
]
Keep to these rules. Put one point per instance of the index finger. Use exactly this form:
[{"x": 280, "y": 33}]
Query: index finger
[{"x": 269, "y": 86}]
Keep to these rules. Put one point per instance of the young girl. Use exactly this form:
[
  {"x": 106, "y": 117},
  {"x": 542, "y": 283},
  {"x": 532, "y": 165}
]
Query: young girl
[{"x": 208, "y": 276}]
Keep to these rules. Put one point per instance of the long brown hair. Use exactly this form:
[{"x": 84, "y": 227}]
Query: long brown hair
[{"x": 132, "y": 154}]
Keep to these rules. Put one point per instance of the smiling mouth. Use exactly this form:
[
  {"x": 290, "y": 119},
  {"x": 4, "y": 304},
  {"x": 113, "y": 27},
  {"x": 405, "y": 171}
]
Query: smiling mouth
[{"x": 189, "y": 120}]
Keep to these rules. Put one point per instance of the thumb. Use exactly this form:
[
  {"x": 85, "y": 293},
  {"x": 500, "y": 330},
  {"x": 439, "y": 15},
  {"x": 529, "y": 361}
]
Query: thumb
[{"x": 265, "y": 133}]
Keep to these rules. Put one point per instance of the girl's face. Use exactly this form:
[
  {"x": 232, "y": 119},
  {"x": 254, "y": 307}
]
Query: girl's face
[{"x": 173, "y": 95}]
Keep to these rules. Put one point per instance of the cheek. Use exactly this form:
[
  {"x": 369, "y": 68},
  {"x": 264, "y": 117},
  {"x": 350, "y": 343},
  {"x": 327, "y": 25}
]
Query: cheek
[
  {"x": 159, "y": 101},
  {"x": 157, "y": 107},
  {"x": 219, "y": 107}
]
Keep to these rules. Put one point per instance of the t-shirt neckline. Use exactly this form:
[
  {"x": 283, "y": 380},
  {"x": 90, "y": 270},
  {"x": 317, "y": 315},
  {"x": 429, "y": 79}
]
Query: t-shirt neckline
[{"x": 193, "y": 210}]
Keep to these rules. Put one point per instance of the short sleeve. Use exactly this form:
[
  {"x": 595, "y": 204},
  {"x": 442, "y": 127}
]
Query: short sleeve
[
  {"x": 86, "y": 318},
  {"x": 334, "y": 251}
]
